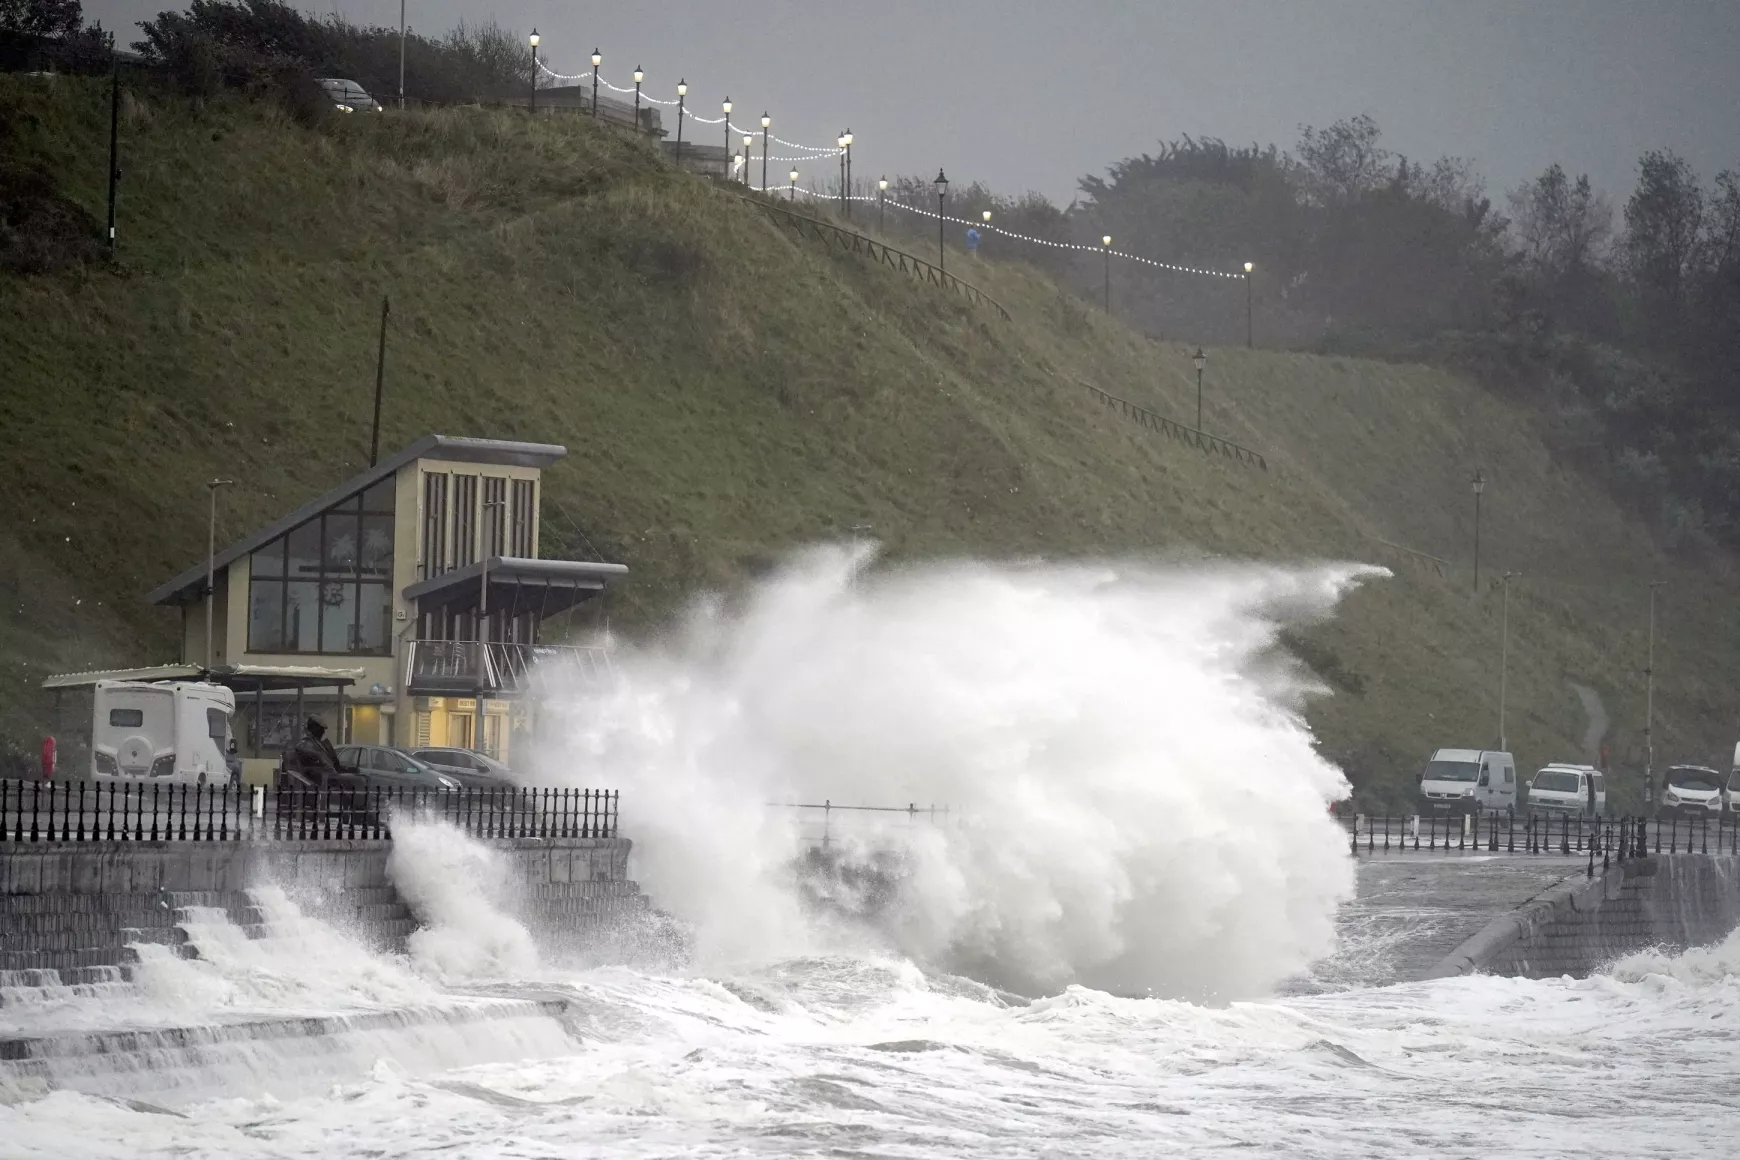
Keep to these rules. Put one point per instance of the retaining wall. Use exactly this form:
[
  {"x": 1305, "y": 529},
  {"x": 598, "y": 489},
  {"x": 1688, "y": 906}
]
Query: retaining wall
[
  {"x": 1672, "y": 901},
  {"x": 81, "y": 906}
]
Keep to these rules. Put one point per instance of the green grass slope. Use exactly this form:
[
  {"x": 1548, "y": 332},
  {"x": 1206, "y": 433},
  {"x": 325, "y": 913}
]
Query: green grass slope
[{"x": 726, "y": 391}]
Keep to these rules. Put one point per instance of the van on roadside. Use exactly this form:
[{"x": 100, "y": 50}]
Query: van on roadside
[
  {"x": 1468, "y": 781},
  {"x": 1562, "y": 788}
]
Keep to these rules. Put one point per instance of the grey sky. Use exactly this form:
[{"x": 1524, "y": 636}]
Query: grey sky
[{"x": 1032, "y": 96}]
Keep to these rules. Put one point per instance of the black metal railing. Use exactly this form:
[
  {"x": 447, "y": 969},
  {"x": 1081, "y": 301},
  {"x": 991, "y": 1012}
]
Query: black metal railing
[
  {"x": 125, "y": 811},
  {"x": 855, "y": 243},
  {"x": 1564, "y": 835},
  {"x": 454, "y": 667},
  {"x": 818, "y": 820},
  {"x": 1190, "y": 436}
]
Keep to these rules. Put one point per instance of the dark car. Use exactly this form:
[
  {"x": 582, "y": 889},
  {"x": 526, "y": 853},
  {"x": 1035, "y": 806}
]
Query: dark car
[
  {"x": 348, "y": 96},
  {"x": 389, "y": 768},
  {"x": 468, "y": 767}
]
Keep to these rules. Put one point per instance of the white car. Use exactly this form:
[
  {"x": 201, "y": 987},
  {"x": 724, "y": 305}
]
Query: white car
[
  {"x": 1692, "y": 790},
  {"x": 1565, "y": 788}
]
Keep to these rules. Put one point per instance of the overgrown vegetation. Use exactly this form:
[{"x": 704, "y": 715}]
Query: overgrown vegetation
[{"x": 728, "y": 392}]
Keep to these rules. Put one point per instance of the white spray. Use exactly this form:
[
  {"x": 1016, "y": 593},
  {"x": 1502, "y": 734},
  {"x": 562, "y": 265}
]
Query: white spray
[
  {"x": 458, "y": 889},
  {"x": 1143, "y": 810}
]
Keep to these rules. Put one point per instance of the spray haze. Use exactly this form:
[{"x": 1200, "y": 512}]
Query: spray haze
[{"x": 1134, "y": 799}]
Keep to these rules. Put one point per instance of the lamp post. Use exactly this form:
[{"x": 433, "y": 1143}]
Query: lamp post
[
  {"x": 942, "y": 202},
  {"x": 1106, "y": 245},
  {"x": 1249, "y": 340},
  {"x": 597, "y": 59},
  {"x": 748, "y": 152},
  {"x": 682, "y": 95},
  {"x": 727, "y": 107},
  {"x": 1201, "y": 360},
  {"x": 211, "y": 563},
  {"x": 114, "y": 137},
  {"x": 638, "y": 77},
  {"x": 848, "y": 193},
  {"x": 792, "y": 189},
  {"x": 766, "y": 124},
  {"x": 881, "y": 203},
  {"x": 401, "y": 54},
  {"x": 1504, "y": 658},
  {"x": 532, "y": 101},
  {"x": 1649, "y": 706},
  {"x": 841, "y": 142},
  {"x": 1478, "y": 484}
]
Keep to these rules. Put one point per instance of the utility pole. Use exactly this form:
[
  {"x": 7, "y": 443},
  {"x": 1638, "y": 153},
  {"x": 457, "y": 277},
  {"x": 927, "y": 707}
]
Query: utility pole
[
  {"x": 1649, "y": 706},
  {"x": 380, "y": 382},
  {"x": 401, "y": 54},
  {"x": 1504, "y": 658},
  {"x": 211, "y": 564},
  {"x": 114, "y": 137},
  {"x": 1478, "y": 484}
]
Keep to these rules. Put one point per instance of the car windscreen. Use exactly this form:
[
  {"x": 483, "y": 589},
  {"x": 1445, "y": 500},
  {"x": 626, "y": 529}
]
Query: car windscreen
[
  {"x": 1556, "y": 781},
  {"x": 1696, "y": 780},
  {"x": 1451, "y": 771}
]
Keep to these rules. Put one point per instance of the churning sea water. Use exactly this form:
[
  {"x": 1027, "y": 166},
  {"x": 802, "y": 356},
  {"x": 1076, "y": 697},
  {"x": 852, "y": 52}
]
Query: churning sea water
[{"x": 1137, "y": 835}]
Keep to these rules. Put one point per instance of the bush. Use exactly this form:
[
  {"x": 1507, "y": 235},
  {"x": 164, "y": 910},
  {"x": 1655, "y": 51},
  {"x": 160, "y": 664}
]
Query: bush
[{"x": 40, "y": 229}]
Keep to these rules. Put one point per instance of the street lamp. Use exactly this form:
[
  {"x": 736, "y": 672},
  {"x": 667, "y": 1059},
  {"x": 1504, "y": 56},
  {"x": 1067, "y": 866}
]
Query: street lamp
[
  {"x": 1106, "y": 245},
  {"x": 682, "y": 94},
  {"x": 748, "y": 152},
  {"x": 881, "y": 203},
  {"x": 766, "y": 121},
  {"x": 1201, "y": 360},
  {"x": 846, "y": 143},
  {"x": 942, "y": 201},
  {"x": 1649, "y": 707},
  {"x": 728, "y": 130},
  {"x": 841, "y": 142},
  {"x": 1478, "y": 483},
  {"x": 793, "y": 188},
  {"x": 638, "y": 77},
  {"x": 1504, "y": 657},
  {"x": 211, "y": 563},
  {"x": 597, "y": 59},
  {"x": 532, "y": 102},
  {"x": 401, "y": 54},
  {"x": 1249, "y": 341}
]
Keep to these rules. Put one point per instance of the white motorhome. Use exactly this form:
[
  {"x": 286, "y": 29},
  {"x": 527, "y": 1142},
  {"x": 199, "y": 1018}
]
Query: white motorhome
[
  {"x": 1468, "y": 781},
  {"x": 1562, "y": 788},
  {"x": 176, "y": 731}
]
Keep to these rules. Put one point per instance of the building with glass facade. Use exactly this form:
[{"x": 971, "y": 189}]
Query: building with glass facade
[{"x": 424, "y": 573}]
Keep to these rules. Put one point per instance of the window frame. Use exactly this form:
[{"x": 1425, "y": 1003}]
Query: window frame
[{"x": 355, "y": 585}]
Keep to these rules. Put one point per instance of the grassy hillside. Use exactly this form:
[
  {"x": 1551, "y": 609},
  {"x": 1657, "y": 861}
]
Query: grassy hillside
[{"x": 726, "y": 391}]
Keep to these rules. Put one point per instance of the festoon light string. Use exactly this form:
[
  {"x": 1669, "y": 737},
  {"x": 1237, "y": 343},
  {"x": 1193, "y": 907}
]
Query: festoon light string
[{"x": 825, "y": 152}]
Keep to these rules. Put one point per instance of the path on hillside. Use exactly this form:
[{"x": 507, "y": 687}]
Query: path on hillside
[{"x": 1596, "y": 712}]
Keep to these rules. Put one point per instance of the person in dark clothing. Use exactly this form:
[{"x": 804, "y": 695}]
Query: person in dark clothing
[{"x": 313, "y": 758}]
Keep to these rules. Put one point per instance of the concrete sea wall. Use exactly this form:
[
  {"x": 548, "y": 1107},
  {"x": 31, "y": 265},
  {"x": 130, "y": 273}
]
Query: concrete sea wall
[{"x": 1673, "y": 901}]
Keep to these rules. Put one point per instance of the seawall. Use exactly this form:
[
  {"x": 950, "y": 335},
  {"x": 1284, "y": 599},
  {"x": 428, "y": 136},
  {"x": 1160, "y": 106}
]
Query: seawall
[{"x": 1673, "y": 901}]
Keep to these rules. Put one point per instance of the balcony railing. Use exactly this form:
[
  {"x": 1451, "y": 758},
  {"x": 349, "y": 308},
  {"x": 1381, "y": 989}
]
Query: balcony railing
[{"x": 455, "y": 667}]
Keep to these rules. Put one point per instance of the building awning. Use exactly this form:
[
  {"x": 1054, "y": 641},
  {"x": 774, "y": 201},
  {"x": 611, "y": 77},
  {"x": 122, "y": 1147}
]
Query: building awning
[
  {"x": 516, "y": 584},
  {"x": 238, "y": 677},
  {"x": 190, "y": 585}
]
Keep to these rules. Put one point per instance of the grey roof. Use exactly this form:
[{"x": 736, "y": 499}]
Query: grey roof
[
  {"x": 191, "y": 583},
  {"x": 521, "y": 570}
]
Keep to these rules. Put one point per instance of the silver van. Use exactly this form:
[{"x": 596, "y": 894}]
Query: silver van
[
  {"x": 1568, "y": 789},
  {"x": 1468, "y": 781}
]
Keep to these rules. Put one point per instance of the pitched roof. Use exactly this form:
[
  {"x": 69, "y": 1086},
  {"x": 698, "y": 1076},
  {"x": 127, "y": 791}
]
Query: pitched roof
[{"x": 191, "y": 584}]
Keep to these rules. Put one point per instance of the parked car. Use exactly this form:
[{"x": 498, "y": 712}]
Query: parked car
[
  {"x": 1564, "y": 788},
  {"x": 348, "y": 96},
  {"x": 1692, "y": 790},
  {"x": 469, "y": 768},
  {"x": 1468, "y": 781},
  {"x": 386, "y": 767}
]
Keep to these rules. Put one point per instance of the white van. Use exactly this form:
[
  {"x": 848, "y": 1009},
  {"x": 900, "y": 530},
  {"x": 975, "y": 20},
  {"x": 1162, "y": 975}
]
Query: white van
[
  {"x": 1468, "y": 781},
  {"x": 1564, "y": 788},
  {"x": 164, "y": 731}
]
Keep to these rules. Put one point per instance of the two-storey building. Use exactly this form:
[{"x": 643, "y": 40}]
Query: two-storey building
[{"x": 424, "y": 573}]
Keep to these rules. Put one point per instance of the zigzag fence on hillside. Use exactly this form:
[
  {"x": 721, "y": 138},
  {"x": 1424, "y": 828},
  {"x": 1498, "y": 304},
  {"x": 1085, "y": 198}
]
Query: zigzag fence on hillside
[
  {"x": 1420, "y": 559},
  {"x": 1201, "y": 440},
  {"x": 831, "y": 235}
]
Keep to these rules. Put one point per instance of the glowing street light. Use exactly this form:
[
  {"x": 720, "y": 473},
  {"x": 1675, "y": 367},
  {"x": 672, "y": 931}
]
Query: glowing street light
[
  {"x": 532, "y": 101},
  {"x": 682, "y": 94},
  {"x": 766, "y": 122},
  {"x": 1249, "y": 341},
  {"x": 846, "y": 190},
  {"x": 881, "y": 202},
  {"x": 792, "y": 191},
  {"x": 748, "y": 152},
  {"x": 1106, "y": 245},
  {"x": 638, "y": 77},
  {"x": 597, "y": 59},
  {"x": 727, "y": 126}
]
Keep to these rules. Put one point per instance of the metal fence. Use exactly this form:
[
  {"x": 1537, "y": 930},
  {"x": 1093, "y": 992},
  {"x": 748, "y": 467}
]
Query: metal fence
[
  {"x": 1566, "y": 835},
  {"x": 123, "y": 811},
  {"x": 1189, "y": 436},
  {"x": 820, "y": 823}
]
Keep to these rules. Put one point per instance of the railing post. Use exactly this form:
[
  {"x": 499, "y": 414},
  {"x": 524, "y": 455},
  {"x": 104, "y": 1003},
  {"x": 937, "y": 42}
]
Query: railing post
[
  {"x": 1510, "y": 831},
  {"x": 1355, "y": 836},
  {"x": 81, "y": 825}
]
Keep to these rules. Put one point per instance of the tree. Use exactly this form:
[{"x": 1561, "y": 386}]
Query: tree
[
  {"x": 1561, "y": 226},
  {"x": 1663, "y": 222},
  {"x": 1344, "y": 161},
  {"x": 50, "y": 18}
]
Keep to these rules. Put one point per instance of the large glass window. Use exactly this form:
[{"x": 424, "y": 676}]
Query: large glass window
[{"x": 326, "y": 585}]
